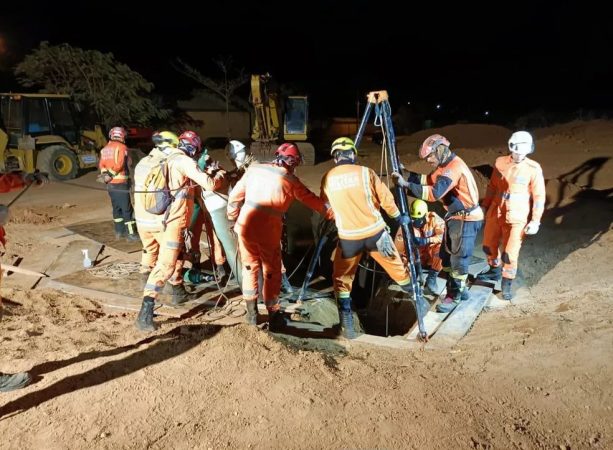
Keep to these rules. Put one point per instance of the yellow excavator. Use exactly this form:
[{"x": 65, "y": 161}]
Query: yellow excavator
[
  {"x": 274, "y": 123},
  {"x": 43, "y": 132}
]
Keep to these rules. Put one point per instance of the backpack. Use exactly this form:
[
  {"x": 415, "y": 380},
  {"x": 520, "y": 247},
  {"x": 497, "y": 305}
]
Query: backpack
[{"x": 154, "y": 190}]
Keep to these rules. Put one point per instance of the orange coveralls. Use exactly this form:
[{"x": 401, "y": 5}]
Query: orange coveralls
[
  {"x": 266, "y": 191},
  {"x": 8, "y": 182},
  {"x": 515, "y": 195},
  {"x": 356, "y": 194},
  {"x": 433, "y": 230},
  {"x": 163, "y": 244}
]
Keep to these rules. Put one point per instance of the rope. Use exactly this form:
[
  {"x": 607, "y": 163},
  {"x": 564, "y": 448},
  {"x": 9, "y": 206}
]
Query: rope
[{"x": 115, "y": 271}]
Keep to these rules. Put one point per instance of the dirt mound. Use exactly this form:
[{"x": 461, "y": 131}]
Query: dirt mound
[{"x": 30, "y": 216}]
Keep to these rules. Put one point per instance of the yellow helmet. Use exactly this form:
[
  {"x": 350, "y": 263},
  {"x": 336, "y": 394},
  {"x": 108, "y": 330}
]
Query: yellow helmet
[
  {"x": 168, "y": 139},
  {"x": 418, "y": 209},
  {"x": 343, "y": 143}
]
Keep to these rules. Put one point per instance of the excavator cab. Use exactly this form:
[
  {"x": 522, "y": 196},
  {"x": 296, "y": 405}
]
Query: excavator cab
[
  {"x": 43, "y": 131},
  {"x": 271, "y": 118}
]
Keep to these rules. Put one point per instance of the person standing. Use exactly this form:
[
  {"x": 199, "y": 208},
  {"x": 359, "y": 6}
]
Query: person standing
[
  {"x": 256, "y": 206},
  {"x": 453, "y": 184},
  {"x": 514, "y": 201},
  {"x": 356, "y": 195},
  {"x": 114, "y": 169}
]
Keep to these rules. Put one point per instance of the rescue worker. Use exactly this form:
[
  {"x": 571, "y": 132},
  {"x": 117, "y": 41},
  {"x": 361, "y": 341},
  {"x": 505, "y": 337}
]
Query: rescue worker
[
  {"x": 356, "y": 195},
  {"x": 163, "y": 243},
  {"x": 428, "y": 229},
  {"x": 114, "y": 169},
  {"x": 242, "y": 158},
  {"x": 9, "y": 182},
  {"x": 517, "y": 182},
  {"x": 265, "y": 192},
  {"x": 453, "y": 184}
]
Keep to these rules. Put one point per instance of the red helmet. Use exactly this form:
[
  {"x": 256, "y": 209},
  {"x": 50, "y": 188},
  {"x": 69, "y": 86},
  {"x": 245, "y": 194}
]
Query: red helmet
[
  {"x": 117, "y": 134},
  {"x": 190, "y": 142},
  {"x": 289, "y": 154},
  {"x": 431, "y": 143}
]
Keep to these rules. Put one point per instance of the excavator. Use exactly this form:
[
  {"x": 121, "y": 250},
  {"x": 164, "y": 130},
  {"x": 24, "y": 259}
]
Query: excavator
[
  {"x": 275, "y": 123},
  {"x": 43, "y": 132}
]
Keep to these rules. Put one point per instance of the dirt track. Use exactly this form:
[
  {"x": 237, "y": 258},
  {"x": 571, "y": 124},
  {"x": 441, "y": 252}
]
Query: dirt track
[{"x": 536, "y": 375}]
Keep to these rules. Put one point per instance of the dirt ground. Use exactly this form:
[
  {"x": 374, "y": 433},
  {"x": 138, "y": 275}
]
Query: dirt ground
[{"x": 537, "y": 374}]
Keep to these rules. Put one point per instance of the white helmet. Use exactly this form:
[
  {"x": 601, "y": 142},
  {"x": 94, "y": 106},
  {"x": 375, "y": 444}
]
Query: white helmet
[
  {"x": 521, "y": 142},
  {"x": 237, "y": 152}
]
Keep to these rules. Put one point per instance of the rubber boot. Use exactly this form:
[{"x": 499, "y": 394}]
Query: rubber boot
[
  {"x": 145, "y": 322},
  {"x": 120, "y": 230},
  {"x": 144, "y": 277},
  {"x": 507, "y": 292},
  {"x": 11, "y": 382},
  {"x": 465, "y": 294},
  {"x": 346, "y": 317},
  {"x": 131, "y": 234},
  {"x": 179, "y": 295},
  {"x": 453, "y": 297},
  {"x": 251, "y": 317},
  {"x": 286, "y": 287},
  {"x": 431, "y": 285},
  {"x": 493, "y": 274}
]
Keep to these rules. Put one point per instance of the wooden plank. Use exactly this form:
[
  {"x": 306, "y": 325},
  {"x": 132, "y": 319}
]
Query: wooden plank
[
  {"x": 390, "y": 342},
  {"x": 461, "y": 319},
  {"x": 432, "y": 321}
]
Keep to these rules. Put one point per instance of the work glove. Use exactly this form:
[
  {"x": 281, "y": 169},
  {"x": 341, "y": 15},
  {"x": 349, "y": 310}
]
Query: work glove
[
  {"x": 420, "y": 241},
  {"x": 532, "y": 228},
  {"x": 399, "y": 180},
  {"x": 4, "y": 215},
  {"x": 231, "y": 224},
  {"x": 385, "y": 245},
  {"x": 403, "y": 220}
]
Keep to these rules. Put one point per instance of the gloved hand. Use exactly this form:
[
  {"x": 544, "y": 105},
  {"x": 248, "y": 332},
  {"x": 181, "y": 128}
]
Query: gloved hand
[
  {"x": 399, "y": 180},
  {"x": 532, "y": 228},
  {"x": 4, "y": 215},
  {"x": 403, "y": 220},
  {"x": 420, "y": 241},
  {"x": 231, "y": 224},
  {"x": 385, "y": 245}
]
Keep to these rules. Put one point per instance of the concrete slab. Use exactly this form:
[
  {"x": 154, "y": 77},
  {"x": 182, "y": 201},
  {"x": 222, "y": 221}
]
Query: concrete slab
[{"x": 104, "y": 233}]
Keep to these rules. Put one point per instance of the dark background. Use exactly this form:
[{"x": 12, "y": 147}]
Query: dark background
[{"x": 508, "y": 58}]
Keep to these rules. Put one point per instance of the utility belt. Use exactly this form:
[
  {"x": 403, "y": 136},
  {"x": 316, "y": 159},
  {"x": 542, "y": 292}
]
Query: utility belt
[{"x": 462, "y": 213}]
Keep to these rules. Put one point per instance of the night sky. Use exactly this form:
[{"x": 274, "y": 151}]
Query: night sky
[{"x": 510, "y": 56}]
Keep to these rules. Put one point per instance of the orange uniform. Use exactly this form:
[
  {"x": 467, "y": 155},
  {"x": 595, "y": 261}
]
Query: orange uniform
[
  {"x": 257, "y": 204},
  {"x": 114, "y": 160},
  {"x": 515, "y": 195},
  {"x": 356, "y": 194},
  {"x": 163, "y": 241},
  {"x": 433, "y": 230}
]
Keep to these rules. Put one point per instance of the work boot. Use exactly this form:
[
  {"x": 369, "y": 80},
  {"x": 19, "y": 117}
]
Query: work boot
[
  {"x": 493, "y": 274},
  {"x": 286, "y": 287},
  {"x": 346, "y": 317},
  {"x": 120, "y": 230},
  {"x": 276, "y": 321},
  {"x": 11, "y": 382},
  {"x": 144, "y": 276},
  {"x": 507, "y": 292},
  {"x": 179, "y": 295},
  {"x": 465, "y": 294},
  {"x": 251, "y": 317},
  {"x": 431, "y": 285},
  {"x": 453, "y": 297},
  {"x": 131, "y": 234},
  {"x": 145, "y": 322}
]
